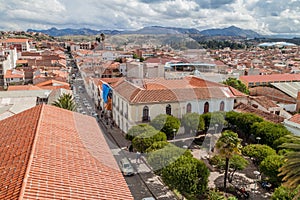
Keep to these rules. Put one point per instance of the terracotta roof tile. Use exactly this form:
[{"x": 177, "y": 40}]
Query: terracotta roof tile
[
  {"x": 17, "y": 136},
  {"x": 240, "y": 107},
  {"x": 70, "y": 158},
  {"x": 295, "y": 118},
  {"x": 271, "y": 78},
  {"x": 264, "y": 101},
  {"x": 162, "y": 90},
  {"x": 23, "y": 87},
  {"x": 15, "y": 40}
]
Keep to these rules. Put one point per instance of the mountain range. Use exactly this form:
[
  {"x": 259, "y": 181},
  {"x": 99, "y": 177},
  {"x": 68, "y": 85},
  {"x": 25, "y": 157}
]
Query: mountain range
[{"x": 229, "y": 31}]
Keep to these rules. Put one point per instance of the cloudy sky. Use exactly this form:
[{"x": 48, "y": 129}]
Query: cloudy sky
[{"x": 263, "y": 16}]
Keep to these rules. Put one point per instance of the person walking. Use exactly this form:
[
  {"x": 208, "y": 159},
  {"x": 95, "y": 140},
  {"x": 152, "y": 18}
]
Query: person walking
[{"x": 138, "y": 156}]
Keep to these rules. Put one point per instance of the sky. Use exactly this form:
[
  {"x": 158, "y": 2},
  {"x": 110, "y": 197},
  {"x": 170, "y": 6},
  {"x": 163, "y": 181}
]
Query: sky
[{"x": 262, "y": 16}]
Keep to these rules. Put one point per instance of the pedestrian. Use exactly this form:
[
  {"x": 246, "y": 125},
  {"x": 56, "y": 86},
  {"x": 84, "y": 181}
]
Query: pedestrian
[{"x": 138, "y": 155}]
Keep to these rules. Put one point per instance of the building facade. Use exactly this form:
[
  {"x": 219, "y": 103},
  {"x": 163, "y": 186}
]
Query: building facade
[{"x": 140, "y": 102}]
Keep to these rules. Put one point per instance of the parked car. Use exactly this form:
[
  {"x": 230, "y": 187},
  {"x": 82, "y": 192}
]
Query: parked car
[
  {"x": 126, "y": 167},
  {"x": 148, "y": 198}
]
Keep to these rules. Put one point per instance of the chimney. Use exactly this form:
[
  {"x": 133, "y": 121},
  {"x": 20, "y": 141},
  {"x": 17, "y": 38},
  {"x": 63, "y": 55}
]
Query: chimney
[{"x": 298, "y": 101}]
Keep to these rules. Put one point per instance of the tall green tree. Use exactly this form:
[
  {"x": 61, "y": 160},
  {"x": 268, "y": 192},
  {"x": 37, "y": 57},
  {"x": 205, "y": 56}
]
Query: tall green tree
[
  {"x": 270, "y": 167},
  {"x": 213, "y": 118},
  {"x": 291, "y": 169},
  {"x": 237, "y": 162},
  {"x": 65, "y": 101},
  {"x": 137, "y": 130},
  {"x": 143, "y": 141},
  {"x": 228, "y": 145},
  {"x": 258, "y": 152},
  {"x": 167, "y": 124},
  {"x": 164, "y": 156},
  {"x": 191, "y": 122},
  {"x": 188, "y": 175},
  {"x": 268, "y": 132},
  {"x": 237, "y": 84}
]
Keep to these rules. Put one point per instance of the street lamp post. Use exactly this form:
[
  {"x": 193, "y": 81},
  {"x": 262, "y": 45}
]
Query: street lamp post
[
  {"x": 257, "y": 174},
  {"x": 258, "y": 139},
  {"x": 216, "y": 128},
  {"x": 174, "y": 132}
]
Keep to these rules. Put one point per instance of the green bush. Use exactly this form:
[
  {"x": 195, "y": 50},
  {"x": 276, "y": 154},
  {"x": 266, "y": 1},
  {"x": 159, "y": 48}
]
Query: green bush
[
  {"x": 166, "y": 124},
  {"x": 258, "y": 152},
  {"x": 270, "y": 166}
]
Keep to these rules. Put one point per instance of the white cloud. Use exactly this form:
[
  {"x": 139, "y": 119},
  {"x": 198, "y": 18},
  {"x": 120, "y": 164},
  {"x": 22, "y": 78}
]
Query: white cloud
[{"x": 270, "y": 16}]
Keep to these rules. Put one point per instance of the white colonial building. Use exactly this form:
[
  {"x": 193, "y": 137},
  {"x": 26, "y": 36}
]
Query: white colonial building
[{"x": 139, "y": 101}]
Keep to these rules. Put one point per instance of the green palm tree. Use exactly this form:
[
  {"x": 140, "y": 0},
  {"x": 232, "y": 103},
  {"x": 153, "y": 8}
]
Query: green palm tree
[
  {"x": 291, "y": 169},
  {"x": 228, "y": 145},
  {"x": 65, "y": 101}
]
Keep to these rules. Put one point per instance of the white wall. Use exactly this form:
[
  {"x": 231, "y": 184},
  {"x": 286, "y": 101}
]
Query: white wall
[
  {"x": 293, "y": 127},
  {"x": 135, "y": 111}
]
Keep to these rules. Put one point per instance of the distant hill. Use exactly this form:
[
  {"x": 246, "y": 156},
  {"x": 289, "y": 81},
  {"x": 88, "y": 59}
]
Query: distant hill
[
  {"x": 163, "y": 30},
  {"x": 69, "y": 31},
  {"x": 231, "y": 31}
]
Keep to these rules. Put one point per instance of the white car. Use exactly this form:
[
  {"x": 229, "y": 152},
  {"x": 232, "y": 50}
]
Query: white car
[{"x": 126, "y": 167}]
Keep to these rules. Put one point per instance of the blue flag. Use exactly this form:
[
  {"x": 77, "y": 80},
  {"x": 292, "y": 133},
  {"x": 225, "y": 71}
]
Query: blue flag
[{"x": 106, "y": 90}]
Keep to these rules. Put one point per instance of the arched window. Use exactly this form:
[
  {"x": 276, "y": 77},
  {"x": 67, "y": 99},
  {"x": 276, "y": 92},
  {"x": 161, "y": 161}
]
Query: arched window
[
  {"x": 168, "y": 109},
  {"x": 145, "y": 114},
  {"x": 188, "y": 108},
  {"x": 222, "y": 105},
  {"x": 206, "y": 107}
]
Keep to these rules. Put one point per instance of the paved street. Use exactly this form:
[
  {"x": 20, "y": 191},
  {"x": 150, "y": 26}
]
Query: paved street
[{"x": 144, "y": 183}]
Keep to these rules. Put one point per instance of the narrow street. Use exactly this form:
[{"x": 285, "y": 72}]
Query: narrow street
[{"x": 144, "y": 183}]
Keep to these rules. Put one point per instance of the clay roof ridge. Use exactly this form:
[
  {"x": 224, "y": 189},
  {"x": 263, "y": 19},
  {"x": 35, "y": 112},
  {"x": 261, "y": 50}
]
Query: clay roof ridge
[{"x": 28, "y": 167}]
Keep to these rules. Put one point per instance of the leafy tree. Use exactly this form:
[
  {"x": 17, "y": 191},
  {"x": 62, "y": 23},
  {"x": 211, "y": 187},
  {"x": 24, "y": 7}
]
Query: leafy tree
[
  {"x": 201, "y": 125},
  {"x": 163, "y": 157},
  {"x": 188, "y": 175},
  {"x": 286, "y": 193},
  {"x": 157, "y": 145},
  {"x": 236, "y": 163},
  {"x": 213, "y": 118},
  {"x": 270, "y": 166},
  {"x": 245, "y": 122},
  {"x": 237, "y": 84},
  {"x": 232, "y": 118},
  {"x": 166, "y": 123},
  {"x": 190, "y": 121},
  {"x": 228, "y": 145},
  {"x": 146, "y": 139},
  {"x": 291, "y": 169},
  {"x": 65, "y": 101},
  {"x": 258, "y": 151},
  {"x": 137, "y": 130},
  {"x": 277, "y": 143},
  {"x": 268, "y": 132}
]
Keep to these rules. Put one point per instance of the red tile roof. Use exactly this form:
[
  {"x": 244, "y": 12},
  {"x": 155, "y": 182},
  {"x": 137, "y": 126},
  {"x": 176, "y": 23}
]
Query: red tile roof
[
  {"x": 14, "y": 74},
  {"x": 240, "y": 107},
  {"x": 23, "y": 87},
  {"x": 162, "y": 90},
  {"x": 271, "y": 78},
  {"x": 273, "y": 94},
  {"x": 264, "y": 102},
  {"x": 15, "y": 40},
  {"x": 51, "y": 153},
  {"x": 53, "y": 84},
  {"x": 295, "y": 118}
]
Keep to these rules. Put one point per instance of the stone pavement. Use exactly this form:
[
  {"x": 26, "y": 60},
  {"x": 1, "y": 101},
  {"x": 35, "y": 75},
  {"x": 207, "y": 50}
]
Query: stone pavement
[{"x": 250, "y": 184}]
